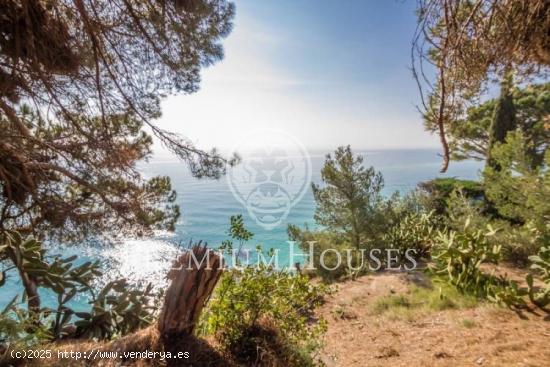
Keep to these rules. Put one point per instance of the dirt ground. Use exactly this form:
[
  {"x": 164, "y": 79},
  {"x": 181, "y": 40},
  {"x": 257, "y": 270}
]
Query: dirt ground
[
  {"x": 485, "y": 335},
  {"x": 358, "y": 335}
]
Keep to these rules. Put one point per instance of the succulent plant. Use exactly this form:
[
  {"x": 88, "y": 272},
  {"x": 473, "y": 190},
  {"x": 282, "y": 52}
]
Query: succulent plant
[
  {"x": 459, "y": 255},
  {"x": 541, "y": 265},
  {"x": 117, "y": 309}
]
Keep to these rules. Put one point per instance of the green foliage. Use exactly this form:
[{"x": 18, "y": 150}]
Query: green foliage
[
  {"x": 512, "y": 296},
  {"x": 520, "y": 194},
  {"x": 519, "y": 191},
  {"x": 501, "y": 37},
  {"x": 507, "y": 294},
  {"x": 385, "y": 303},
  {"x": 237, "y": 229},
  {"x": 518, "y": 241},
  {"x": 60, "y": 275},
  {"x": 258, "y": 312},
  {"x": 541, "y": 263},
  {"x": 460, "y": 251},
  {"x": 504, "y": 118},
  {"x": 416, "y": 232},
  {"x": 458, "y": 258},
  {"x": 459, "y": 255},
  {"x": 541, "y": 266},
  {"x": 116, "y": 310},
  {"x": 256, "y": 296},
  {"x": 355, "y": 218},
  {"x": 68, "y": 163},
  {"x": 166, "y": 45},
  {"x": 462, "y": 208},
  {"x": 15, "y": 323},
  {"x": 93, "y": 188},
  {"x": 435, "y": 194},
  {"x": 348, "y": 200},
  {"x": 437, "y": 296},
  {"x": 333, "y": 269},
  {"x": 469, "y": 137},
  {"x": 237, "y": 232}
]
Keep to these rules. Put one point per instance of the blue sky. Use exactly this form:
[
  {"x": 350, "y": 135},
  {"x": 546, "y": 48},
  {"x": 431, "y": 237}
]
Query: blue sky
[{"x": 327, "y": 72}]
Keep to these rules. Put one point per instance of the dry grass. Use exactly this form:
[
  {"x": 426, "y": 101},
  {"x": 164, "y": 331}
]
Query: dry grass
[
  {"x": 264, "y": 348},
  {"x": 386, "y": 319},
  {"x": 400, "y": 320},
  {"x": 201, "y": 352}
]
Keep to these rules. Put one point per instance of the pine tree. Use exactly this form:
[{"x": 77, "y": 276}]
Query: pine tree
[
  {"x": 348, "y": 200},
  {"x": 81, "y": 83}
]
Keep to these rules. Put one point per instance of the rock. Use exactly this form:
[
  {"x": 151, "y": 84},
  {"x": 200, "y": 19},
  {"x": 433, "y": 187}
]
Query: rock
[
  {"x": 442, "y": 354},
  {"x": 387, "y": 352}
]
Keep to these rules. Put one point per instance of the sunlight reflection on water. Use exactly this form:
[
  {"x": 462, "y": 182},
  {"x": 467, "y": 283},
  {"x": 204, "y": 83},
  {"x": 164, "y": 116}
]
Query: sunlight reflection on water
[
  {"x": 139, "y": 261},
  {"x": 206, "y": 208}
]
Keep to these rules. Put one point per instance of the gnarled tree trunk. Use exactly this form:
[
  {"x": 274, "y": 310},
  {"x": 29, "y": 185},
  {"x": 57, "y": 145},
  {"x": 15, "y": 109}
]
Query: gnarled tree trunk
[{"x": 194, "y": 276}]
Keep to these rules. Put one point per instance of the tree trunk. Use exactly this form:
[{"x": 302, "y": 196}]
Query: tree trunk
[
  {"x": 194, "y": 276},
  {"x": 29, "y": 283}
]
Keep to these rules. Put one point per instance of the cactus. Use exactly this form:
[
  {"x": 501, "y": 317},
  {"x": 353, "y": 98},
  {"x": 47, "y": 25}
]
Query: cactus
[
  {"x": 541, "y": 265},
  {"x": 116, "y": 309},
  {"x": 459, "y": 255},
  {"x": 415, "y": 231},
  {"x": 513, "y": 296}
]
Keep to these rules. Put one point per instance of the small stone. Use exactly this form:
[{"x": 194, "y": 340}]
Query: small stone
[
  {"x": 480, "y": 360},
  {"x": 442, "y": 354},
  {"x": 387, "y": 352}
]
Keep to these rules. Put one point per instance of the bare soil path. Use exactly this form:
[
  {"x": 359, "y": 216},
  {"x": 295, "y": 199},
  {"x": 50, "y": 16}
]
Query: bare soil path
[{"x": 484, "y": 335}]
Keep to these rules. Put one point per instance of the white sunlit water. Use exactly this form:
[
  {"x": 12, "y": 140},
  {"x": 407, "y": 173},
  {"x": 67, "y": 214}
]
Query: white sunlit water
[
  {"x": 140, "y": 260},
  {"x": 206, "y": 206}
]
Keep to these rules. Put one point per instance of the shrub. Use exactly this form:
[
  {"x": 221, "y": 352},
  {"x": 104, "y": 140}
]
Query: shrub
[
  {"x": 461, "y": 208},
  {"x": 459, "y": 255},
  {"x": 402, "y": 223},
  {"x": 436, "y": 193},
  {"x": 416, "y": 231},
  {"x": 262, "y": 298},
  {"x": 518, "y": 241},
  {"x": 541, "y": 265},
  {"x": 325, "y": 240},
  {"x": 117, "y": 309},
  {"x": 511, "y": 295},
  {"x": 518, "y": 189},
  {"x": 507, "y": 294},
  {"x": 15, "y": 324}
]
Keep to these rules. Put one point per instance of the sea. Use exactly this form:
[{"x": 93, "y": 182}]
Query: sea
[{"x": 206, "y": 207}]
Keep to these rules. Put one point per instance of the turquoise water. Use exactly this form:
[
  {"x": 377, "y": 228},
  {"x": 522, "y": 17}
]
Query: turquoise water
[{"x": 207, "y": 205}]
